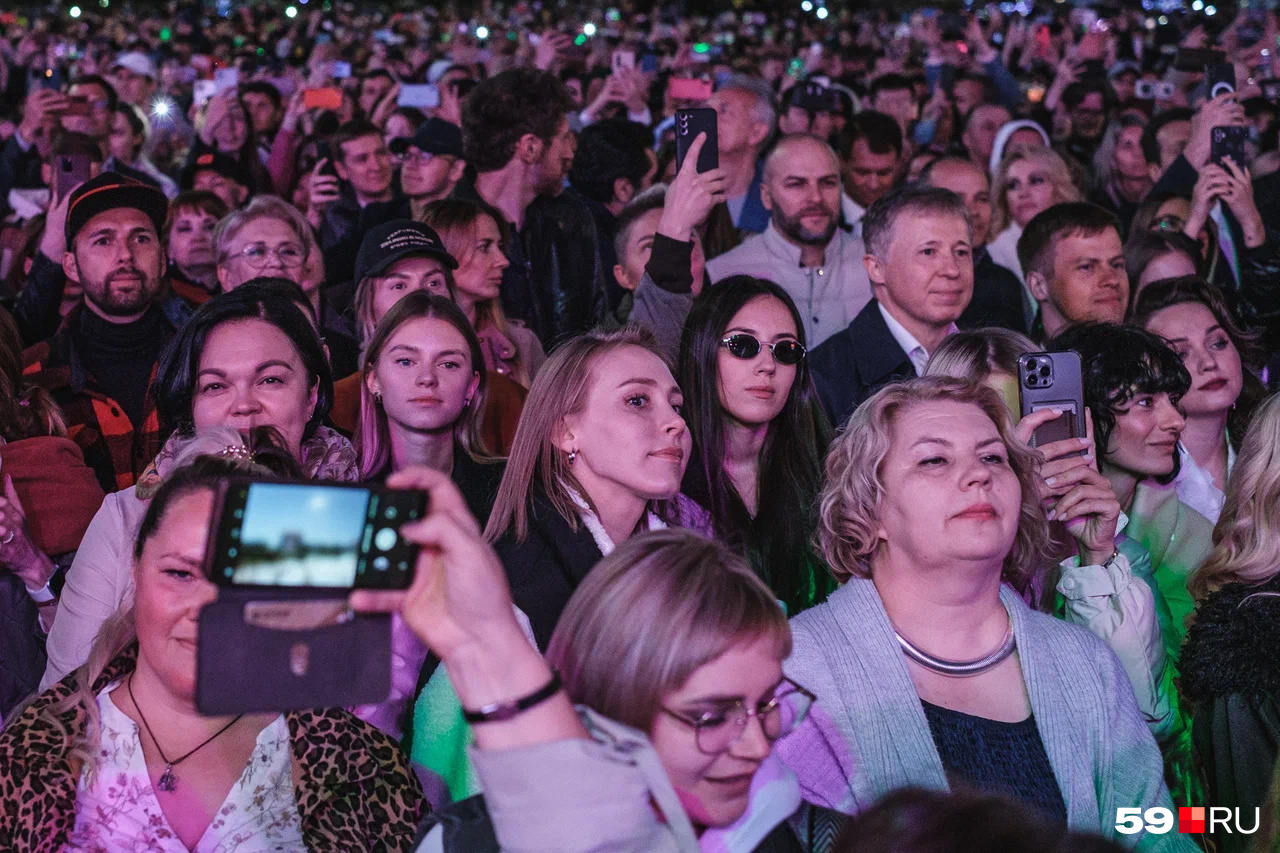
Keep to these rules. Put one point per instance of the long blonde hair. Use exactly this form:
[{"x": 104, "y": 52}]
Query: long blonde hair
[
  {"x": 1064, "y": 189},
  {"x": 559, "y": 390},
  {"x": 1246, "y": 539},
  {"x": 849, "y": 508}
]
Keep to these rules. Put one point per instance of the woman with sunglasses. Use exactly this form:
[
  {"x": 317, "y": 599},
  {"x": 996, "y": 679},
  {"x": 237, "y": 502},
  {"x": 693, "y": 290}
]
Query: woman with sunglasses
[
  {"x": 758, "y": 432},
  {"x": 671, "y": 746}
]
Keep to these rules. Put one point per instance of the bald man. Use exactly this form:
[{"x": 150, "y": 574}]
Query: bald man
[{"x": 803, "y": 249}]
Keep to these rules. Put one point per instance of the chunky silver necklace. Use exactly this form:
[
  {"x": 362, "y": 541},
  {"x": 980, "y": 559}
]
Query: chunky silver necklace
[{"x": 959, "y": 668}]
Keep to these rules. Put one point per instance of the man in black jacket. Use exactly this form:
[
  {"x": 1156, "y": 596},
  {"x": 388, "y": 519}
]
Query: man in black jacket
[
  {"x": 515, "y": 132},
  {"x": 920, "y": 261}
]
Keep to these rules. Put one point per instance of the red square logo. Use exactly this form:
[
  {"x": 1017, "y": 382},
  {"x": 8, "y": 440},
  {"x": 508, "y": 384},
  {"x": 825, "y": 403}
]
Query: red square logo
[{"x": 1191, "y": 819}]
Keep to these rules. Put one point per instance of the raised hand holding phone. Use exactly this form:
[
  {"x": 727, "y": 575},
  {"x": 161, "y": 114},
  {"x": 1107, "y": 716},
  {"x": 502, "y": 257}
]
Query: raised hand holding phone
[{"x": 692, "y": 195}]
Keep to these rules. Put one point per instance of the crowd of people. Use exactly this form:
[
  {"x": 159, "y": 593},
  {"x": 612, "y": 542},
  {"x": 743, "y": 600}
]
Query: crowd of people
[{"x": 740, "y": 536}]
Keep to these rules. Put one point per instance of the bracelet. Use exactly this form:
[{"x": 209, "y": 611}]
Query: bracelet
[{"x": 498, "y": 712}]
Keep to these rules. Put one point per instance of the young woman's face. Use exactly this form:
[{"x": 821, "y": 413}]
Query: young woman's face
[
  {"x": 171, "y": 589},
  {"x": 191, "y": 238},
  {"x": 753, "y": 391},
  {"x": 1175, "y": 264},
  {"x": 1028, "y": 191},
  {"x": 1217, "y": 375},
  {"x": 480, "y": 277},
  {"x": 630, "y": 437},
  {"x": 714, "y": 788},
  {"x": 424, "y": 376},
  {"x": 405, "y": 276},
  {"x": 1145, "y": 438},
  {"x": 252, "y": 375},
  {"x": 949, "y": 491},
  {"x": 122, "y": 143}
]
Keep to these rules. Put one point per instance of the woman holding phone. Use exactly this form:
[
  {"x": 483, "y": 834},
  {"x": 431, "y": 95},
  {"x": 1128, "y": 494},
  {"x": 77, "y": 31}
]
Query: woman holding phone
[{"x": 116, "y": 756}]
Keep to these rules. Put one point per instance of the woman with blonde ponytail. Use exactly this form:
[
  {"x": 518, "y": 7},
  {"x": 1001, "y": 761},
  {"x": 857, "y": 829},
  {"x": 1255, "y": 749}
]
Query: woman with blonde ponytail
[{"x": 1230, "y": 672}]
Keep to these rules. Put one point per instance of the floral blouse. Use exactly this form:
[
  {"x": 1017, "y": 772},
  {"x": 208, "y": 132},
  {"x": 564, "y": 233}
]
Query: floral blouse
[{"x": 117, "y": 809}]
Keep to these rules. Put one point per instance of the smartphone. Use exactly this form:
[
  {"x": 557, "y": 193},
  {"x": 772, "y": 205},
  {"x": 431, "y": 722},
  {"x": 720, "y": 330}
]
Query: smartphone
[
  {"x": 46, "y": 78},
  {"x": 324, "y": 99},
  {"x": 1227, "y": 142},
  {"x": 649, "y": 63},
  {"x": 202, "y": 91},
  {"x": 224, "y": 79},
  {"x": 624, "y": 60},
  {"x": 313, "y": 536},
  {"x": 418, "y": 95},
  {"x": 689, "y": 123},
  {"x": 340, "y": 70},
  {"x": 1052, "y": 380},
  {"x": 1220, "y": 78},
  {"x": 1197, "y": 58},
  {"x": 77, "y": 105},
  {"x": 324, "y": 151},
  {"x": 689, "y": 89},
  {"x": 72, "y": 171}
]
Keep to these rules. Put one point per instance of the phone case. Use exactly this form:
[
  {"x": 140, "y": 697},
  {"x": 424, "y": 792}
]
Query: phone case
[
  {"x": 1052, "y": 380},
  {"x": 289, "y": 650},
  {"x": 1227, "y": 142},
  {"x": 689, "y": 123}
]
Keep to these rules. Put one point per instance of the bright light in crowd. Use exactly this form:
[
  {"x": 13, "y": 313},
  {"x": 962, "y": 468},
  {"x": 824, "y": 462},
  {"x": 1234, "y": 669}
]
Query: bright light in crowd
[
  {"x": 822, "y": 13},
  {"x": 291, "y": 12},
  {"x": 1197, "y": 6},
  {"x": 1164, "y": 21},
  {"x": 482, "y": 32},
  {"x": 588, "y": 29},
  {"x": 160, "y": 107},
  {"x": 806, "y": 6},
  {"x": 1211, "y": 10},
  {"x": 75, "y": 11}
]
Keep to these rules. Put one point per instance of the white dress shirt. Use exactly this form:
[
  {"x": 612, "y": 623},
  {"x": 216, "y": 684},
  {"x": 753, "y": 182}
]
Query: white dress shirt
[{"x": 913, "y": 348}]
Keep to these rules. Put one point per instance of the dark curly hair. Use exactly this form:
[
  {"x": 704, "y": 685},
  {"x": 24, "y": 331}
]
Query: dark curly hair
[
  {"x": 504, "y": 108},
  {"x": 608, "y": 150},
  {"x": 1119, "y": 362}
]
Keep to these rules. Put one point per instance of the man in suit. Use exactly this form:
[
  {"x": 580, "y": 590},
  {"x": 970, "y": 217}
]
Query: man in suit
[{"x": 920, "y": 262}]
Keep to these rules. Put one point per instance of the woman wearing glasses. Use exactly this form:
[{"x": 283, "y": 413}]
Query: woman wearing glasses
[
  {"x": 931, "y": 516},
  {"x": 758, "y": 431}
]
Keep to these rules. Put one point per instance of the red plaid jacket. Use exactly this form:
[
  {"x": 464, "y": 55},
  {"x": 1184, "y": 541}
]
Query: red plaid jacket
[{"x": 116, "y": 450}]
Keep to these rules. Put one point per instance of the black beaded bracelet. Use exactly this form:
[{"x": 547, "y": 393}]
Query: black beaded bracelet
[{"x": 498, "y": 712}]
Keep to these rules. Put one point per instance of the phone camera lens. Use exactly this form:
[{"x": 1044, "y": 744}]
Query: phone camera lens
[
  {"x": 1032, "y": 381},
  {"x": 1044, "y": 370}
]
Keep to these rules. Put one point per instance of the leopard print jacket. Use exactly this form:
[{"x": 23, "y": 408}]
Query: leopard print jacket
[{"x": 355, "y": 788}]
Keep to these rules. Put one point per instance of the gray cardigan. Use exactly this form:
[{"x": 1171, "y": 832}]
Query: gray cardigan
[{"x": 868, "y": 734}]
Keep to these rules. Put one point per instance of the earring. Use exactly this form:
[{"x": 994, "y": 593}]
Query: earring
[
  {"x": 377, "y": 397},
  {"x": 573, "y": 455}
]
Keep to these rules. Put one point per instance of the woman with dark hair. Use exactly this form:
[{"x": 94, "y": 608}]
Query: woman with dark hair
[
  {"x": 1133, "y": 385},
  {"x": 117, "y": 757},
  {"x": 1120, "y": 168},
  {"x": 1155, "y": 255},
  {"x": 759, "y": 434},
  {"x": 247, "y": 358},
  {"x": 1223, "y": 359}
]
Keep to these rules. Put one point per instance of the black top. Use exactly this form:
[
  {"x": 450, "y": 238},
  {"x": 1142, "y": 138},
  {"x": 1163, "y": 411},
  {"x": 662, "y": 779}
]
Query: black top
[
  {"x": 997, "y": 297},
  {"x": 1000, "y": 758},
  {"x": 121, "y": 355}
]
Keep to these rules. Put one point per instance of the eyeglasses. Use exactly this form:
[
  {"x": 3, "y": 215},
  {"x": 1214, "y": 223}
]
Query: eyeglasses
[
  {"x": 746, "y": 346},
  {"x": 1169, "y": 222},
  {"x": 417, "y": 159},
  {"x": 716, "y": 731},
  {"x": 290, "y": 255}
]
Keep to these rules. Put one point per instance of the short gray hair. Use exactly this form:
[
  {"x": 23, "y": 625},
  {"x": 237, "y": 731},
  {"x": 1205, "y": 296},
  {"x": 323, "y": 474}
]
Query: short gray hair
[
  {"x": 878, "y": 222},
  {"x": 766, "y": 109},
  {"x": 262, "y": 207}
]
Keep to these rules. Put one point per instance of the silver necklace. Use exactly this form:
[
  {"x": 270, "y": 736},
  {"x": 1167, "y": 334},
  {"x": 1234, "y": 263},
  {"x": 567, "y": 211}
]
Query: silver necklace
[{"x": 959, "y": 668}]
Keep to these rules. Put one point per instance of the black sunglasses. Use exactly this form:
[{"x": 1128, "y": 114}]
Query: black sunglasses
[{"x": 746, "y": 346}]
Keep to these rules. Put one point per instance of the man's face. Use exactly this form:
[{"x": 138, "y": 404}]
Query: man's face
[
  {"x": 1089, "y": 119},
  {"x": 1089, "y": 279},
  {"x": 117, "y": 259},
  {"x": 927, "y": 273},
  {"x": 366, "y": 163},
  {"x": 1171, "y": 139},
  {"x": 868, "y": 175},
  {"x": 231, "y": 193},
  {"x": 98, "y": 121},
  {"x": 900, "y": 104},
  {"x": 802, "y": 191},
  {"x": 264, "y": 116},
  {"x": 426, "y": 176},
  {"x": 556, "y": 160},
  {"x": 132, "y": 87},
  {"x": 970, "y": 183},
  {"x": 373, "y": 90},
  {"x": 1130, "y": 162},
  {"x": 967, "y": 94},
  {"x": 1125, "y": 86},
  {"x": 980, "y": 132},
  {"x": 736, "y": 128}
]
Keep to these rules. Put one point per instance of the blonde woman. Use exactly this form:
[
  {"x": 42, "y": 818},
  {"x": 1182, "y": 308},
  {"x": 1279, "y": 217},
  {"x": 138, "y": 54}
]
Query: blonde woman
[
  {"x": 931, "y": 516},
  {"x": 474, "y": 233},
  {"x": 1030, "y": 179},
  {"x": 1229, "y": 667}
]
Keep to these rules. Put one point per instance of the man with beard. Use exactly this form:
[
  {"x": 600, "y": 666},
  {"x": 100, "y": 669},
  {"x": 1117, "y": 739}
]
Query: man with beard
[
  {"x": 515, "y": 133},
  {"x": 100, "y": 366},
  {"x": 803, "y": 249}
]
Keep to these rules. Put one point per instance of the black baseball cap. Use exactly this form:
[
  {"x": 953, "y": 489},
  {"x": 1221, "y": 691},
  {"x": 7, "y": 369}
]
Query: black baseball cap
[
  {"x": 228, "y": 167},
  {"x": 392, "y": 241},
  {"x": 435, "y": 136},
  {"x": 107, "y": 192}
]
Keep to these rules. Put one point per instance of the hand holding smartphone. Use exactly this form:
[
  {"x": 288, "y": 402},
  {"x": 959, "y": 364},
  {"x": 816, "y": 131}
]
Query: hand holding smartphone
[
  {"x": 690, "y": 123},
  {"x": 72, "y": 171},
  {"x": 1053, "y": 380}
]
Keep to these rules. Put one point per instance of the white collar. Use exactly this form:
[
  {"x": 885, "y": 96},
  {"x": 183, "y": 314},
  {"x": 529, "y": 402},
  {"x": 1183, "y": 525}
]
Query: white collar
[
  {"x": 592, "y": 522},
  {"x": 908, "y": 341}
]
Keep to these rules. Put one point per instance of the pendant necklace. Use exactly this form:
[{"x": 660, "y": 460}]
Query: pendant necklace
[{"x": 168, "y": 782}]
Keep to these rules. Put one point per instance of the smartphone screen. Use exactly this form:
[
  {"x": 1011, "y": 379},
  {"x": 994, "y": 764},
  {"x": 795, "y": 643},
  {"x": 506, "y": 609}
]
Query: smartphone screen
[
  {"x": 313, "y": 536},
  {"x": 329, "y": 98},
  {"x": 424, "y": 95}
]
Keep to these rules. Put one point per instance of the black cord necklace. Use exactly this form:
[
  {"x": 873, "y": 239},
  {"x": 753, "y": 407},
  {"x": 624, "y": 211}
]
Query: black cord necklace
[{"x": 168, "y": 782}]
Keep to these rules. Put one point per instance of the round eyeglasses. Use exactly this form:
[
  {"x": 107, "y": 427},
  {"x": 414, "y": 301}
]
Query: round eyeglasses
[
  {"x": 290, "y": 255},
  {"x": 716, "y": 731},
  {"x": 744, "y": 346}
]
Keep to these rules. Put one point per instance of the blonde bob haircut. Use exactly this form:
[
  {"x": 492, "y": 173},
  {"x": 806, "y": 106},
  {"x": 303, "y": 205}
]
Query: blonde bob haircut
[
  {"x": 1057, "y": 170},
  {"x": 848, "y": 512},
  {"x": 1246, "y": 539},
  {"x": 706, "y": 599},
  {"x": 978, "y": 354}
]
